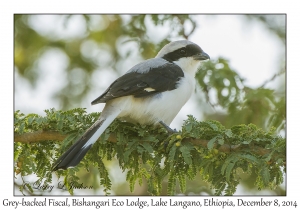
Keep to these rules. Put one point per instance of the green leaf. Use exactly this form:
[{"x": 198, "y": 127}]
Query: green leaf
[
  {"x": 188, "y": 127},
  {"x": 265, "y": 174},
  {"x": 249, "y": 157},
  {"x": 171, "y": 184},
  {"x": 21, "y": 128},
  {"x": 148, "y": 147},
  {"x": 211, "y": 142},
  {"x": 228, "y": 133},
  {"x": 182, "y": 181},
  {"x": 229, "y": 170},
  {"x": 127, "y": 153},
  {"x": 30, "y": 119},
  {"x": 186, "y": 154},
  {"x": 229, "y": 159},
  {"x": 172, "y": 153},
  {"x": 221, "y": 141},
  {"x": 213, "y": 126}
]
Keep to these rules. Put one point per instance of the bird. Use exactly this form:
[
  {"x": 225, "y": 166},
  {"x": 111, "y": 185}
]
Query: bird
[{"x": 151, "y": 92}]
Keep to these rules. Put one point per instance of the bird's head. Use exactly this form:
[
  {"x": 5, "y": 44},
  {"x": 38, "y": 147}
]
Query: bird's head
[{"x": 186, "y": 54}]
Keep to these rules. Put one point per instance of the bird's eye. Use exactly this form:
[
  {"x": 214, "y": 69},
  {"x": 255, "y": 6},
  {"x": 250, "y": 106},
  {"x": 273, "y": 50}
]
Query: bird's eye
[{"x": 182, "y": 52}]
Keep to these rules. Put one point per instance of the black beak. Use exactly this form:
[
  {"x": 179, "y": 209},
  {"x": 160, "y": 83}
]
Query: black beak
[{"x": 201, "y": 56}]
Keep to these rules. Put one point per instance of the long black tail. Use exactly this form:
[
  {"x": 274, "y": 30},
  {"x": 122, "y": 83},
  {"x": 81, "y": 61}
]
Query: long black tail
[{"x": 78, "y": 150}]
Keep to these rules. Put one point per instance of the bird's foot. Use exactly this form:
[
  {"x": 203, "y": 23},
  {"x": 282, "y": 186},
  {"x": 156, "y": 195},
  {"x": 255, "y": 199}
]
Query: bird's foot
[{"x": 170, "y": 130}]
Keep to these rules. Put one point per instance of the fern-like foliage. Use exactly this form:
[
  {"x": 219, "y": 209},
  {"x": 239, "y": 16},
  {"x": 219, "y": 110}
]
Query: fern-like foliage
[{"x": 148, "y": 152}]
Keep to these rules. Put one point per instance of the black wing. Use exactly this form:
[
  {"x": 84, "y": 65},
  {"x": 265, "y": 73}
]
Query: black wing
[{"x": 139, "y": 83}]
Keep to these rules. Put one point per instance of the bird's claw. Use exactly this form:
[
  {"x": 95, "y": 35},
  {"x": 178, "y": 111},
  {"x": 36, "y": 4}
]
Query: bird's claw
[{"x": 170, "y": 130}]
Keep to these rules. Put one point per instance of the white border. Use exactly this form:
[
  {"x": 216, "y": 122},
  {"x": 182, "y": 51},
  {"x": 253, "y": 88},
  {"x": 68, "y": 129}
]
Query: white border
[{"x": 137, "y": 6}]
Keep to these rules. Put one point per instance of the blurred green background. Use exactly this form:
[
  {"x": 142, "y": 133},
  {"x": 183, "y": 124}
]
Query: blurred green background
[{"x": 66, "y": 61}]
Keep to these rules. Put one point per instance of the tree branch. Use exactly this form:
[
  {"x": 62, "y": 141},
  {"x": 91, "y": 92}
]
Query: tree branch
[
  {"x": 226, "y": 148},
  {"x": 39, "y": 136},
  {"x": 272, "y": 78},
  {"x": 56, "y": 136}
]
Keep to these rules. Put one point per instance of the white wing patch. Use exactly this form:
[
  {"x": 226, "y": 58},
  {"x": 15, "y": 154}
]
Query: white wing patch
[{"x": 149, "y": 89}]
